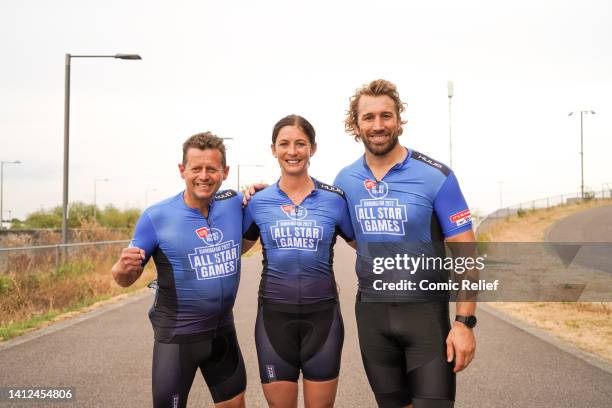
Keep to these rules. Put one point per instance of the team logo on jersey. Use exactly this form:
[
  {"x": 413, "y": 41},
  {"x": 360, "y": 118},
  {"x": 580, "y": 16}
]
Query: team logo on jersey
[
  {"x": 217, "y": 258},
  {"x": 461, "y": 218},
  {"x": 294, "y": 212},
  {"x": 380, "y": 215},
  {"x": 297, "y": 232},
  {"x": 210, "y": 236},
  {"x": 378, "y": 189}
]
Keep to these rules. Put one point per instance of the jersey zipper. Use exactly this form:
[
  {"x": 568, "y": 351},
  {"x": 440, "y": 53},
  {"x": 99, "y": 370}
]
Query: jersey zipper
[
  {"x": 209, "y": 223},
  {"x": 394, "y": 168},
  {"x": 299, "y": 252}
]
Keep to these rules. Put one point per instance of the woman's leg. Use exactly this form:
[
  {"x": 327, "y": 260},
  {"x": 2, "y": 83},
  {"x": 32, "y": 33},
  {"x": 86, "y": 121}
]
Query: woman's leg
[
  {"x": 281, "y": 394},
  {"x": 320, "y": 394}
]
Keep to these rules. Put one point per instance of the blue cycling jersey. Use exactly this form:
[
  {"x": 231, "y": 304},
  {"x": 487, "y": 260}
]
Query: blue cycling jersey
[
  {"x": 198, "y": 264},
  {"x": 298, "y": 242},
  {"x": 416, "y": 205}
]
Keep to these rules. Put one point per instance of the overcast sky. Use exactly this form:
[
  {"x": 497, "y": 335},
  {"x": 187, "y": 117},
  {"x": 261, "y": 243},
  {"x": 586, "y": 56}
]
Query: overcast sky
[{"x": 236, "y": 67}]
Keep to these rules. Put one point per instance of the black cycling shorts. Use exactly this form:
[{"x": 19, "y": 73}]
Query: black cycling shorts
[
  {"x": 403, "y": 347},
  {"x": 290, "y": 338},
  {"x": 218, "y": 358}
]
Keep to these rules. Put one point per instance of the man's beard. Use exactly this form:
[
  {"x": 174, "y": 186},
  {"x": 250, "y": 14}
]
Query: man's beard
[{"x": 380, "y": 150}]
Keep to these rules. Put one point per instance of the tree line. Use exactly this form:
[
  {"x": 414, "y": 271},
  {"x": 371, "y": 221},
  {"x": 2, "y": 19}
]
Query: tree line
[{"x": 80, "y": 215}]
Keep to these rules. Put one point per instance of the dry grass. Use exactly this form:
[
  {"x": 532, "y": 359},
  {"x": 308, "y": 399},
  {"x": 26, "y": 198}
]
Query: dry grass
[
  {"x": 587, "y": 325},
  {"x": 34, "y": 288},
  {"x": 33, "y": 291},
  {"x": 532, "y": 226}
]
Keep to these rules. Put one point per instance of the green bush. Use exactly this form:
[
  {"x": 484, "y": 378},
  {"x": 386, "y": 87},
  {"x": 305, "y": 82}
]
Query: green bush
[
  {"x": 80, "y": 215},
  {"x": 6, "y": 284}
]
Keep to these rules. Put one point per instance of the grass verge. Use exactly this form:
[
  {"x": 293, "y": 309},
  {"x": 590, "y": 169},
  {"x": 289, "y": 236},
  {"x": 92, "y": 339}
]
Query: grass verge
[
  {"x": 586, "y": 325},
  {"x": 35, "y": 292}
]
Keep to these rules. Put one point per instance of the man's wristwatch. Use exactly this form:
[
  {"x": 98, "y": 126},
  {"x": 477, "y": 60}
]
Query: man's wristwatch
[{"x": 469, "y": 321}]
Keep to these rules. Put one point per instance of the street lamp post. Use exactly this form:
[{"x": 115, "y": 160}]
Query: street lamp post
[
  {"x": 67, "y": 130},
  {"x": 95, "y": 195},
  {"x": 2, "y": 163},
  {"x": 450, "y": 140},
  {"x": 582, "y": 113},
  {"x": 238, "y": 175}
]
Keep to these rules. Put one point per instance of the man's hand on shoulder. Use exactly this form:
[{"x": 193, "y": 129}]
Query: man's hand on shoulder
[
  {"x": 460, "y": 345},
  {"x": 129, "y": 266},
  {"x": 250, "y": 191}
]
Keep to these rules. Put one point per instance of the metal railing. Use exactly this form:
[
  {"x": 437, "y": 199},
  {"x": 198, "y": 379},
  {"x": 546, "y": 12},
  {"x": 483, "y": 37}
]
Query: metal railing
[
  {"x": 21, "y": 259},
  {"x": 546, "y": 202}
]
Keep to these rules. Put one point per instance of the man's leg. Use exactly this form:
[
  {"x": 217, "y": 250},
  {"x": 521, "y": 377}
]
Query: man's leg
[
  {"x": 173, "y": 371},
  {"x": 430, "y": 377},
  {"x": 383, "y": 358},
  {"x": 224, "y": 371},
  {"x": 237, "y": 402}
]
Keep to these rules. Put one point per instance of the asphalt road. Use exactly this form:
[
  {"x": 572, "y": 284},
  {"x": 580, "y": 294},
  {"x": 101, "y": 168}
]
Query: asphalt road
[
  {"x": 107, "y": 358},
  {"x": 592, "y": 229}
]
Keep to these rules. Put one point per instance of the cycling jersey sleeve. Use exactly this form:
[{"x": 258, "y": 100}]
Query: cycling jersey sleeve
[
  {"x": 345, "y": 228},
  {"x": 145, "y": 237},
  {"x": 250, "y": 230},
  {"x": 451, "y": 208}
]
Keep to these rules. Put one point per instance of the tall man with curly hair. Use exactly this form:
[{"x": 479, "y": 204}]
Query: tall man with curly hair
[{"x": 404, "y": 203}]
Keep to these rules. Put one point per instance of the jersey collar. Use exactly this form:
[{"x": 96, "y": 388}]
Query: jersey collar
[
  {"x": 398, "y": 166},
  {"x": 317, "y": 187}
]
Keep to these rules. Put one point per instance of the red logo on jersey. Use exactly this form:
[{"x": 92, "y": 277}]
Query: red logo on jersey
[
  {"x": 461, "y": 217},
  {"x": 369, "y": 184},
  {"x": 288, "y": 208},
  {"x": 202, "y": 232}
]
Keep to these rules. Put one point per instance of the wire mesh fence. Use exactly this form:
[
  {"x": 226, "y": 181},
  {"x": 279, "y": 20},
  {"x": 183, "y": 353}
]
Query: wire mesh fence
[{"x": 53, "y": 257}]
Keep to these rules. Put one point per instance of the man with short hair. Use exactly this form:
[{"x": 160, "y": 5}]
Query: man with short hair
[
  {"x": 404, "y": 203},
  {"x": 195, "y": 241}
]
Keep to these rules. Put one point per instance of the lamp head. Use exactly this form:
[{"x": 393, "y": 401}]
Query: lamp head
[{"x": 128, "y": 56}]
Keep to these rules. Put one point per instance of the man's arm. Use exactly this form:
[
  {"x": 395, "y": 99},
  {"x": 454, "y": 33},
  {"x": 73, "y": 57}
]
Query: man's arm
[
  {"x": 247, "y": 244},
  {"x": 250, "y": 191},
  {"x": 129, "y": 266},
  {"x": 461, "y": 343}
]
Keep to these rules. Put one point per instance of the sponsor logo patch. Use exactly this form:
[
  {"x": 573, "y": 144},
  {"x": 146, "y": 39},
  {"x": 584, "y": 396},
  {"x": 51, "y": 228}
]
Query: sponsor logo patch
[
  {"x": 202, "y": 232},
  {"x": 225, "y": 195},
  {"x": 461, "y": 218},
  {"x": 210, "y": 236},
  {"x": 294, "y": 212},
  {"x": 376, "y": 190},
  {"x": 332, "y": 189},
  {"x": 271, "y": 372}
]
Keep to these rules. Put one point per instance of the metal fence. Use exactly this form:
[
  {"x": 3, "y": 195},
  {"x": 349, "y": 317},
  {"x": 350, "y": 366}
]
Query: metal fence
[
  {"x": 546, "y": 202},
  {"x": 23, "y": 259}
]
